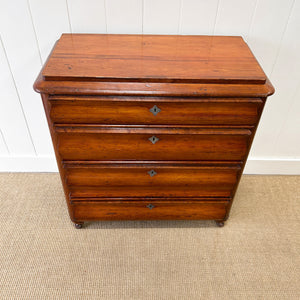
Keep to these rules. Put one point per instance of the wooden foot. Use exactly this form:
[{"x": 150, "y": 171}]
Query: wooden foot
[
  {"x": 220, "y": 223},
  {"x": 78, "y": 225}
]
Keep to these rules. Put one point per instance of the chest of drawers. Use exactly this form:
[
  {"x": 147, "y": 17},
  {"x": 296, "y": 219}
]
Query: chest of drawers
[{"x": 151, "y": 127}]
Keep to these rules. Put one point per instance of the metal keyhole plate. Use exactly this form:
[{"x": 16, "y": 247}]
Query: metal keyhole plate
[
  {"x": 152, "y": 173},
  {"x": 150, "y": 206},
  {"x": 155, "y": 110},
  {"x": 153, "y": 139}
]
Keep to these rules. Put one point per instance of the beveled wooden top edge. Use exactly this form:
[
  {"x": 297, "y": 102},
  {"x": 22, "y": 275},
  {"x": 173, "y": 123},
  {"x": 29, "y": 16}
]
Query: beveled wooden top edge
[
  {"x": 112, "y": 98},
  {"x": 153, "y": 58},
  {"x": 152, "y": 89}
]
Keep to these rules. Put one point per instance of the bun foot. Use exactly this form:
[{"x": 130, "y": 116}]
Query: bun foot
[
  {"x": 220, "y": 223},
  {"x": 78, "y": 225}
]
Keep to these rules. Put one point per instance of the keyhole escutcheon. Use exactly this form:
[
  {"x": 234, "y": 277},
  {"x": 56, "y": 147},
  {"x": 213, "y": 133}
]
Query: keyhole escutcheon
[
  {"x": 153, "y": 139},
  {"x": 155, "y": 110}
]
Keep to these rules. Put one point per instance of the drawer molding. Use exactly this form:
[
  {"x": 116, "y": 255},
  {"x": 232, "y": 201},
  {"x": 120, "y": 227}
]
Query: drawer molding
[
  {"x": 150, "y": 210},
  {"x": 96, "y": 128},
  {"x": 86, "y": 200},
  {"x": 83, "y": 142},
  {"x": 151, "y": 180},
  {"x": 139, "y": 111},
  {"x": 173, "y": 163}
]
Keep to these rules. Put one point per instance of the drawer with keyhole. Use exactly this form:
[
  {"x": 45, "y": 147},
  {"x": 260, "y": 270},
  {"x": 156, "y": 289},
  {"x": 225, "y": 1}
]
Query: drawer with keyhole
[
  {"x": 150, "y": 210},
  {"x": 95, "y": 179},
  {"x": 80, "y": 142},
  {"x": 150, "y": 110}
]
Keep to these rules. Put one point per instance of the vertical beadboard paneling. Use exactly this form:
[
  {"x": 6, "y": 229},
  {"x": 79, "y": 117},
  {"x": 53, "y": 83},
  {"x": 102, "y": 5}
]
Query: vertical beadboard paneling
[
  {"x": 124, "y": 16},
  {"x": 20, "y": 43},
  {"x": 87, "y": 16},
  {"x": 266, "y": 38},
  {"x": 161, "y": 17},
  {"x": 287, "y": 78},
  {"x": 234, "y": 17},
  {"x": 29, "y": 28},
  {"x": 50, "y": 19},
  {"x": 268, "y": 25},
  {"x": 198, "y": 16},
  {"x": 12, "y": 122}
]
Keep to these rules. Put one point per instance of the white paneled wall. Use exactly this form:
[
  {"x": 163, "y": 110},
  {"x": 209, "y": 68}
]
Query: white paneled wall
[
  {"x": 29, "y": 28},
  {"x": 86, "y": 16},
  {"x": 49, "y": 18},
  {"x": 198, "y": 17},
  {"x": 233, "y": 12},
  {"x": 161, "y": 17},
  {"x": 124, "y": 16}
]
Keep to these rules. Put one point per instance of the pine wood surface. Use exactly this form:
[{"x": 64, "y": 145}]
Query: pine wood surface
[{"x": 149, "y": 58}]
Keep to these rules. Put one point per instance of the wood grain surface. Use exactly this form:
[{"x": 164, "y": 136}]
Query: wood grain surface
[
  {"x": 149, "y": 58},
  {"x": 98, "y": 143},
  {"x": 151, "y": 180},
  {"x": 139, "y": 210},
  {"x": 137, "y": 110},
  {"x": 151, "y": 127}
]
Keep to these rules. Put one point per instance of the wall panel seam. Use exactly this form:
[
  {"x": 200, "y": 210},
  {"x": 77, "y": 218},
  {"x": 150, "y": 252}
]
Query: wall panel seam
[
  {"x": 281, "y": 38},
  {"x": 143, "y": 5},
  {"x": 105, "y": 14},
  {"x": 216, "y": 17},
  {"x": 252, "y": 20},
  {"x": 4, "y": 141},
  {"x": 180, "y": 18},
  {"x": 18, "y": 94},
  {"x": 275, "y": 141},
  {"x": 34, "y": 31},
  {"x": 69, "y": 19}
]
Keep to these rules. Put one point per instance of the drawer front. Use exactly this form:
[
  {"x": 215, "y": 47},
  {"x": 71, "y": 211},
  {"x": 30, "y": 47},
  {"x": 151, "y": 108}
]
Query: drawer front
[
  {"x": 150, "y": 180},
  {"x": 97, "y": 143},
  {"x": 149, "y": 210},
  {"x": 156, "y": 111}
]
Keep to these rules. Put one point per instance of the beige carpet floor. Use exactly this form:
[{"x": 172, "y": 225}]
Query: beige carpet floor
[{"x": 255, "y": 256}]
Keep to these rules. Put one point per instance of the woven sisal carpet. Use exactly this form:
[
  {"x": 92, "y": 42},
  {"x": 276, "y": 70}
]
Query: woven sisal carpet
[{"x": 255, "y": 256}]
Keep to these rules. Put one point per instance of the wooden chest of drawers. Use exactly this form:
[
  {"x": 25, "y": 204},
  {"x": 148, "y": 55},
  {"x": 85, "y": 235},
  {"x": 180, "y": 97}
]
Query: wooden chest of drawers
[{"x": 151, "y": 127}]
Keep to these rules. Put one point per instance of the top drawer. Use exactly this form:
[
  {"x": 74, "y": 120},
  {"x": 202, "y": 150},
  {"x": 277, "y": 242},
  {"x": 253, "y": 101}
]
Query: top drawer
[{"x": 154, "y": 110}]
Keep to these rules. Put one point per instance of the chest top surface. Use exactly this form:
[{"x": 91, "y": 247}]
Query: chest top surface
[{"x": 153, "y": 58}]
